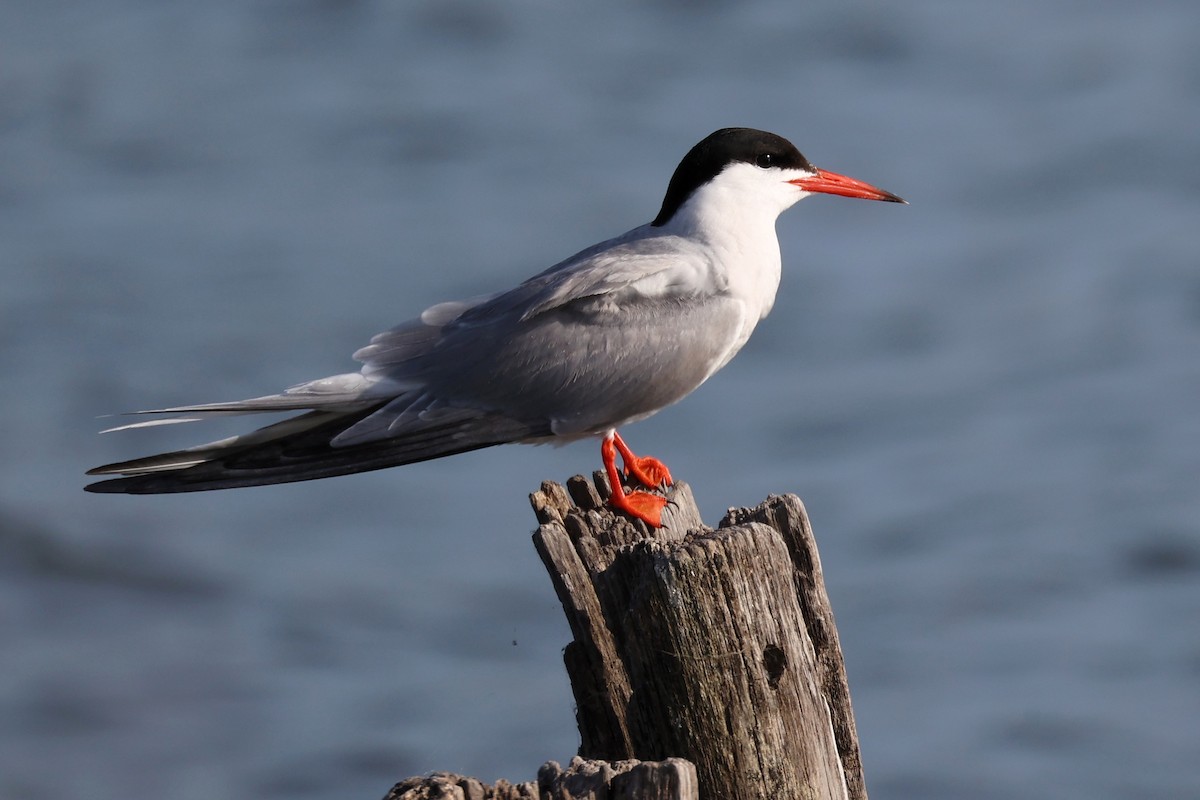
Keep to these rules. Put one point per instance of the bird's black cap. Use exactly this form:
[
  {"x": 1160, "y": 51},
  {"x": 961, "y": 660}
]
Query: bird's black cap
[{"x": 717, "y": 151}]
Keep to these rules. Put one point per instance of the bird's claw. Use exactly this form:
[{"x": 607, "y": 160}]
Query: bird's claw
[
  {"x": 640, "y": 505},
  {"x": 648, "y": 471}
]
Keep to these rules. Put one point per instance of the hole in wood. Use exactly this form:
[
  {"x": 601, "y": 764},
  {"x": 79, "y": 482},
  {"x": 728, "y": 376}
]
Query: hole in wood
[{"x": 775, "y": 662}]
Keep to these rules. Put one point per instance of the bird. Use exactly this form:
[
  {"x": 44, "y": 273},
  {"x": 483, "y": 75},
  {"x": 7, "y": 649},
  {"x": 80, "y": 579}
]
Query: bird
[{"x": 602, "y": 339}]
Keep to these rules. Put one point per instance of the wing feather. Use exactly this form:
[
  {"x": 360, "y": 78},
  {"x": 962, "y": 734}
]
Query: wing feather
[{"x": 305, "y": 448}]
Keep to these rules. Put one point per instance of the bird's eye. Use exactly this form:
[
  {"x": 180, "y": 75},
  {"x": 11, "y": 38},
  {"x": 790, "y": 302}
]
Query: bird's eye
[{"x": 764, "y": 160}]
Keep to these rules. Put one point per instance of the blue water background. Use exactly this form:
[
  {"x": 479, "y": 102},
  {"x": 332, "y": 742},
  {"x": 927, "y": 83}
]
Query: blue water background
[{"x": 989, "y": 400}]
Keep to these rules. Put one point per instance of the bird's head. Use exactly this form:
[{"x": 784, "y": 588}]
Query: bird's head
[{"x": 738, "y": 170}]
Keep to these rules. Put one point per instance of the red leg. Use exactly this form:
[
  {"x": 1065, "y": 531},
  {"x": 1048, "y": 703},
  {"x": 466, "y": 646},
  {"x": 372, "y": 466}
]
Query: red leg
[
  {"x": 645, "y": 470},
  {"x": 639, "y": 505}
]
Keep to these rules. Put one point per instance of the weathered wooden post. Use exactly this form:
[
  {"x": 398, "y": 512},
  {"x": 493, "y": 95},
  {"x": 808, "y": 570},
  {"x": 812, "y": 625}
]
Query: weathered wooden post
[{"x": 716, "y": 646}]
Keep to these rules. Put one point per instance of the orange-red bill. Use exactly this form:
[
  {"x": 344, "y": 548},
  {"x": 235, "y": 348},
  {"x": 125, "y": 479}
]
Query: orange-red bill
[{"x": 832, "y": 183}]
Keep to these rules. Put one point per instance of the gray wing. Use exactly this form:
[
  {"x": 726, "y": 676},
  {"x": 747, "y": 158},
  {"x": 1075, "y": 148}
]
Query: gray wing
[
  {"x": 608, "y": 336},
  {"x": 299, "y": 449}
]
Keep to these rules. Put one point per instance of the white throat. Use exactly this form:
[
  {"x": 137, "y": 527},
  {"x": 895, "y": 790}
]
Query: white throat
[{"x": 733, "y": 216}]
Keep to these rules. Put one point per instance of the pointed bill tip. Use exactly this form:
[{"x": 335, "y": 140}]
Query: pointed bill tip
[{"x": 825, "y": 182}]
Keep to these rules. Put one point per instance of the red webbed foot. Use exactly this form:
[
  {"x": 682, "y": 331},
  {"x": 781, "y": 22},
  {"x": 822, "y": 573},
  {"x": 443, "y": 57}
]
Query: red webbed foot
[
  {"x": 646, "y": 470},
  {"x": 639, "y": 505},
  {"x": 649, "y": 472}
]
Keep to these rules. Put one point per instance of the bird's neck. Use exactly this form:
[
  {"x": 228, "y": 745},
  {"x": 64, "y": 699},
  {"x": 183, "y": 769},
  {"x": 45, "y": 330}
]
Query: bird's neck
[{"x": 743, "y": 247}]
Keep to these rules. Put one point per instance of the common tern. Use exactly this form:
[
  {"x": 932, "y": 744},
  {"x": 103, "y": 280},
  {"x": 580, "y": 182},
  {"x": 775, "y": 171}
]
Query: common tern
[{"x": 607, "y": 337}]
